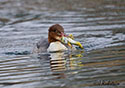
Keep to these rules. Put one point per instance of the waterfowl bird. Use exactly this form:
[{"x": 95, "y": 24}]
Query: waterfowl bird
[{"x": 56, "y": 36}]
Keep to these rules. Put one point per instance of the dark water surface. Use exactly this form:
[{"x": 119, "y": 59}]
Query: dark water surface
[{"x": 98, "y": 24}]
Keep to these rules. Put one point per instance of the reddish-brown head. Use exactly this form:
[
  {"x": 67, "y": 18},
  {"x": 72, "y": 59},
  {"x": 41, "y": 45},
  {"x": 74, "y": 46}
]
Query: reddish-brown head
[{"x": 55, "y": 33}]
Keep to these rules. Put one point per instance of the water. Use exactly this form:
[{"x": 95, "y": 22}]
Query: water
[{"x": 98, "y": 24}]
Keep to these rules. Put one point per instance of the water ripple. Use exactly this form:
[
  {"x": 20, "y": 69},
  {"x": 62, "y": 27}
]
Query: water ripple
[{"x": 98, "y": 25}]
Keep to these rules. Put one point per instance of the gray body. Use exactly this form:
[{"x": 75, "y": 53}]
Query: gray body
[{"x": 41, "y": 45}]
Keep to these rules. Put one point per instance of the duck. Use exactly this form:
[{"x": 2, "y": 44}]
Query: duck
[{"x": 55, "y": 41}]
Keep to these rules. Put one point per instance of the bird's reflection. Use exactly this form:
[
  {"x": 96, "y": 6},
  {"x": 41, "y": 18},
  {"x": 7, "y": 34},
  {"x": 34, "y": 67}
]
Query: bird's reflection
[
  {"x": 62, "y": 63},
  {"x": 58, "y": 61}
]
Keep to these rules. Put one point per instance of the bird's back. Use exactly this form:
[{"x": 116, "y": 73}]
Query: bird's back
[{"x": 41, "y": 45}]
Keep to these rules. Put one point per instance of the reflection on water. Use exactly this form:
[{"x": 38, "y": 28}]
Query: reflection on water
[
  {"x": 98, "y": 24},
  {"x": 62, "y": 62}
]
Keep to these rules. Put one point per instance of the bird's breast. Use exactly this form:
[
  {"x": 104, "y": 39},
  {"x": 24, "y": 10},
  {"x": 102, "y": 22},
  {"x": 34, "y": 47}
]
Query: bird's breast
[{"x": 56, "y": 46}]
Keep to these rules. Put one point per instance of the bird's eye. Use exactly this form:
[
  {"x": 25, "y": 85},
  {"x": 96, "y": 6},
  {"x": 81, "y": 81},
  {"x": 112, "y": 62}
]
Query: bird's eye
[{"x": 54, "y": 30}]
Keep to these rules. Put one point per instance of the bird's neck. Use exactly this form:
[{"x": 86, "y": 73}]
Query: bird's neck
[{"x": 50, "y": 39}]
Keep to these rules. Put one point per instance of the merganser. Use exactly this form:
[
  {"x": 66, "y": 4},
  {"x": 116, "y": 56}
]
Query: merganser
[{"x": 57, "y": 40}]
